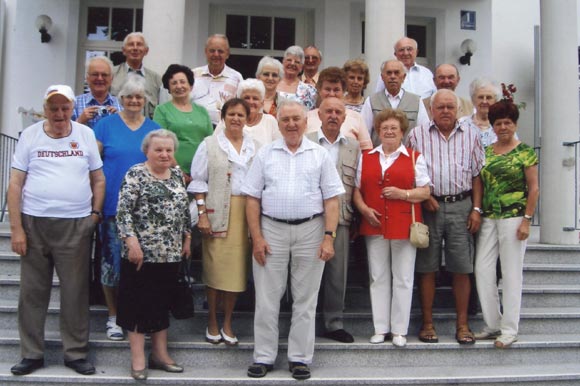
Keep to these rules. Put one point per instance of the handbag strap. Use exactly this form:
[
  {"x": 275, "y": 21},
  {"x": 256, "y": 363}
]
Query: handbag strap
[{"x": 413, "y": 205}]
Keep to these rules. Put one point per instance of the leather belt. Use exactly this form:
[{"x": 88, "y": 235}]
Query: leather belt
[
  {"x": 293, "y": 222},
  {"x": 454, "y": 197}
]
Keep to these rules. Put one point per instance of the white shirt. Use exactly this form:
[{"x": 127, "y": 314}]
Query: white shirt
[
  {"x": 264, "y": 132},
  {"x": 332, "y": 148},
  {"x": 57, "y": 171},
  {"x": 421, "y": 174},
  {"x": 368, "y": 116},
  {"x": 419, "y": 80},
  {"x": 200, "y": 166},
  {"x": 212, "y": 91},
  {"x": 292, "y": 185}
]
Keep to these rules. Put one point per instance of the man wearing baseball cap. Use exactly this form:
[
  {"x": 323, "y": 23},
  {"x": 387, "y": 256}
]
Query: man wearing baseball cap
[{"x": 55, "y": 197}]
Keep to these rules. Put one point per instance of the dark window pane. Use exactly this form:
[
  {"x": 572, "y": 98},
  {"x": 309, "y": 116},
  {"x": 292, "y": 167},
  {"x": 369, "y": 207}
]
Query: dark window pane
[
  {"x": 237, "y": 31},
  {"x": 260, "y": 32},
  {"x": 139, "y": 20},
  {"x": 245, "y": 64},
  {"x": 98, "y": 23},
  {"x": 419, "y": 33},
  {"x": 122, "y": 23},
  {"x": 117, "y": 57},
  {"x": 284, "y": 33}
]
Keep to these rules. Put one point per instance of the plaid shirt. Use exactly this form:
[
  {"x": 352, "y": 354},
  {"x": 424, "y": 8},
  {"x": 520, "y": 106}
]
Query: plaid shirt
[{"x": 85, "y": 100}]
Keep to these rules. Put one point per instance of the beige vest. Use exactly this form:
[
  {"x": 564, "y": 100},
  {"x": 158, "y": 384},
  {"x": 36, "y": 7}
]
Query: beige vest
[
  {"x": 409, "y": 104},
  {"x": 348, "y": 157},
  {"x": 219, "y": 191}
]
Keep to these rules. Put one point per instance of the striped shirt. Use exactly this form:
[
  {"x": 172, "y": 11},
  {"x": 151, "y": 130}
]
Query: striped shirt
[
  {"x": 292, "y": 185},
  {"x": 452, "y": 162}
]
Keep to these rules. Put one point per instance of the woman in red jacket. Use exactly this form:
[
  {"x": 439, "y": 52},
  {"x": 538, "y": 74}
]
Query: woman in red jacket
[{"x": 388, "y": 183}]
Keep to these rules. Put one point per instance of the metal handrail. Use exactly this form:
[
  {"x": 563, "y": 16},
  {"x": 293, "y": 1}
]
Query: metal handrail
[
  {"x": 536, "y": 220},
  {"x": 7, "y": 147},
  {"x": 576, "y": 202}
]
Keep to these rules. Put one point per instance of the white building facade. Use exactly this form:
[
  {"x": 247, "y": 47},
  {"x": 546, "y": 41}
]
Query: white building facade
[{"x": 505, "y": 33}]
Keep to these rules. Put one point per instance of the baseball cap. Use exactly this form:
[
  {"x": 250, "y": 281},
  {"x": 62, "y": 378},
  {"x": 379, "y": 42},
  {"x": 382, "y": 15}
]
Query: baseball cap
[{"x": 59, "y": 89}]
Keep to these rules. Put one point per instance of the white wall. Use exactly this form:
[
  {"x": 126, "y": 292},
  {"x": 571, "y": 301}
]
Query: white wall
[
  {"x": 31, "y": 66},
  {"x": 513, "y": 54}
]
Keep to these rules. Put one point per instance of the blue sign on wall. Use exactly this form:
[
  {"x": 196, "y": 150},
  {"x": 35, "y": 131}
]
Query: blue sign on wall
[{"x": 468, "y": 20}]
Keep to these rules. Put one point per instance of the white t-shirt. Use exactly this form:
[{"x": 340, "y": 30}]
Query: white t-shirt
[{"x": 57, "y": 171}]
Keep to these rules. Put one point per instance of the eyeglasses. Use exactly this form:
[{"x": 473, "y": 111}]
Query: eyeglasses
[
  {"x": 311, "y": 57},
  {"x": 136, "y": 97},
  {"x": 96, "y": 75},
  {"x": 270, "y": 74},
  {"x": 408, "y": 49}
]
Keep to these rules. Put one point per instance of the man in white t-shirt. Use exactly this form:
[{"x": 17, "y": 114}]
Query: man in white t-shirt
[{"x": 55, "y": 198}]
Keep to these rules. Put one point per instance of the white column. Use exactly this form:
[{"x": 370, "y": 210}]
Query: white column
[
  {"x": 384, "y": 25},
  {"x": 559, "y": 110},
  {"x": 163, "y": 27}
]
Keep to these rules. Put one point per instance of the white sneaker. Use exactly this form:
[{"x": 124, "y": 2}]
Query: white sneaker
[
  {"x": 504, "y": 341},
  {"x": 377, "y": 338},
  {"x": 399, "y": 340},
  {"x": 114, "y": 332}
]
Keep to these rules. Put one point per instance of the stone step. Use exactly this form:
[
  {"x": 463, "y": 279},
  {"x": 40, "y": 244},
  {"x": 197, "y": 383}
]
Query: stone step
[
  {"x": 191, "y": 352},
  {"x": 476, "y": 375},
  {"x": 554, "y": 254},
  {"x": 548, "y": 320}
]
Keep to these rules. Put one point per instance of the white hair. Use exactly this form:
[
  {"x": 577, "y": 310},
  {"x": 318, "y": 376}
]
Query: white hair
[
  {"x": 295, "y": 51},
  {"x": 135, "y": 84},
  {"x": 482, "y": 82},
  {"x": 94, "y": 59},
  {"x": 159, "y": 133},
  {"x": 251, "y": 84},
  {"x": 270, "y": 61},
  {"x": 136, "y": 35},
  {"x": 285, "y": 102}
]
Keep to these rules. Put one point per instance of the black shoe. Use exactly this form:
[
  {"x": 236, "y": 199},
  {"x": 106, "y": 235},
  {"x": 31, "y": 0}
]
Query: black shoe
[
  {"x": 26, "y": 366},
  {"x": 81, "y": 366},
  {"x": 259, "y": 370},
  {"x": 299, "y": 370},
  {"x": 340, "y": 336}
]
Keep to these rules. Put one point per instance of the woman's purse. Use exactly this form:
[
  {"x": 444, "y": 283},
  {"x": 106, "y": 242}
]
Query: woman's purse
[
  {"x": 419, "y": 235},
  {"x": 181, "y": 306}
]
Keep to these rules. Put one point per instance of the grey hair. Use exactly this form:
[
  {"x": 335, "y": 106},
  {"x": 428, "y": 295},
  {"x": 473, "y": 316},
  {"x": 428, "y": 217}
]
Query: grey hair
[
  {"x": 135, "y": 35},
  {"x": 218, "y": 36},
  {"x": 159, "y": 133},
  {"x": 135, "y": 84},
  {"x": 442, "y": 91},
  {"x": 395, "y": 61},
  {"x": 446, "y": 64},
  {"x": 316, "y": 48},
  {"x": 286, "y": 102},
  {"x": 481, "y": 82},
  {"x": 94, "y": 59},
  {"x": 295, "y": 51},
  {"x": 270, "y": 61},
  {"x": 251, "y": 84},
  {"x": 413, "y": 41}
]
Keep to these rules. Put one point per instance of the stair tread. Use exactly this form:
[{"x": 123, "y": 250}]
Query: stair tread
[{"x": 320, "y": 375}]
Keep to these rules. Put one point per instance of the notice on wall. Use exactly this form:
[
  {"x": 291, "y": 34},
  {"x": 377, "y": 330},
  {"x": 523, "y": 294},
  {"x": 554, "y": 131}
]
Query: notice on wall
[{"x": 468, "y": 20}]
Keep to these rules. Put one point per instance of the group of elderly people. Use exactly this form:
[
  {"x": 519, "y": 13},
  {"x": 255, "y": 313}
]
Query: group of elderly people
[{"x": 281, "y": 175}]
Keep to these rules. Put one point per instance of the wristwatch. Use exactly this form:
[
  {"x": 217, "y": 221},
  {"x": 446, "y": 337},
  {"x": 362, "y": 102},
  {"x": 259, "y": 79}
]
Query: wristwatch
[
  {"x": 331, "y": 234},
  {"x": 478, "y": 210},
  {"x": 528, "y": 217},
  {"x": 99, "y": 214},
  {"x": 200, "y": 202}
]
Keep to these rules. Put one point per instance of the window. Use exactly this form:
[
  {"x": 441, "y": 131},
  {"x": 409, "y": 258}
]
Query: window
[
  {"x": 254, "y": 33},
  {"x": 104, "y": 25}
]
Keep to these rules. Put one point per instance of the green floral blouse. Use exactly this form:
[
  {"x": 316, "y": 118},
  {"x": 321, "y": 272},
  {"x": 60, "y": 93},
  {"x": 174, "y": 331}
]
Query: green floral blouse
[
  {"x": 156, "y": 212},
  {"x": 505, "y": 190}
]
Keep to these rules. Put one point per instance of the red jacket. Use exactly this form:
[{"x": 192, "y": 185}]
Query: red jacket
[{"x": 395, "y": 214}]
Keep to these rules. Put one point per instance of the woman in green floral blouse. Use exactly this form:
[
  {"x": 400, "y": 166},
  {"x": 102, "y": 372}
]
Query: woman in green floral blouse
[
  {"x": 510, "y": 181},
  {"x": 153, "y": 222}
]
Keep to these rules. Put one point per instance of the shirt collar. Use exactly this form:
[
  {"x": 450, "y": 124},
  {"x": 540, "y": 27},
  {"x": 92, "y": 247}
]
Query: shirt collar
[
  {"x": 379, "y": 149},
  {"x": 399, "y": 95},
  {"x": 306, "y": 144},
  {"x": 90, "y": 99},
  {"x": 458, "y": 126},
  {"x": 205, "y": 72},
  {"x": 322, "y": 137},
  {"x": 140, "y": 71}
]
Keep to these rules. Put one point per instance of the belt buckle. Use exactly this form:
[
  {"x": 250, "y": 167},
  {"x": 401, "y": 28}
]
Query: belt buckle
[{"x": 450, "y": 199}]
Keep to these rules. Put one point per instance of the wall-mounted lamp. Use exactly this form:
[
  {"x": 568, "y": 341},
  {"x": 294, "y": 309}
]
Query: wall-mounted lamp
[
  {"x": 468, "y": 48},
  {"x": 43, "y": 24}
]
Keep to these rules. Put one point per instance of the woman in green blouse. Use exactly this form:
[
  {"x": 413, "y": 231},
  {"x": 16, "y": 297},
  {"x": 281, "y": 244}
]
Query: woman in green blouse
[
  {"x": 510, "y": 180},
  {"x": 190, "y": 122}
]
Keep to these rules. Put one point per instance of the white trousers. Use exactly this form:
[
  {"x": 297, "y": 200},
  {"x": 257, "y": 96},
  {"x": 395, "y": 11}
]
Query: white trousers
[
  {"x": 391, "y": 274},
  {"x": 294, "y": 247},
  {"x": 498, "y": 237}
]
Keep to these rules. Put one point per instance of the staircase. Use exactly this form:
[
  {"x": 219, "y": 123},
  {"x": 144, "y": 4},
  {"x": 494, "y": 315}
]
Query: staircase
[{"x": 547, "y": 353}]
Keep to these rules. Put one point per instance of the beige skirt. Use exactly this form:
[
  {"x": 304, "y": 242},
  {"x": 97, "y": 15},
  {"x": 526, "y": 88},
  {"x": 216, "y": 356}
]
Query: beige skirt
[{"x": 226, "y": 260}]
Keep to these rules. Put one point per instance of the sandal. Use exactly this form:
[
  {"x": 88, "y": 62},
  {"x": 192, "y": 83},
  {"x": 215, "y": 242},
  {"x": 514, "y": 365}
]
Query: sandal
[
  {"x": 427, "y": 334},
  {"x": 259, "y": 370},
  {"x": 299, "y": 370},
  {"x": 463, "y": 335}
]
